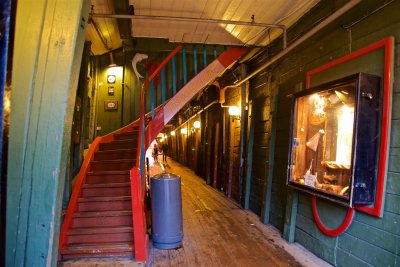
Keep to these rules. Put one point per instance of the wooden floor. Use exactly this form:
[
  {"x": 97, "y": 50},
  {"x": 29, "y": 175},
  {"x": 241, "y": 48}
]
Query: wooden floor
[{"x": 217, "y": 232}]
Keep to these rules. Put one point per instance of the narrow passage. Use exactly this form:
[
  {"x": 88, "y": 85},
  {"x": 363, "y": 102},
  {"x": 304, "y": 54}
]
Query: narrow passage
[{"x": 218, "y": 232}]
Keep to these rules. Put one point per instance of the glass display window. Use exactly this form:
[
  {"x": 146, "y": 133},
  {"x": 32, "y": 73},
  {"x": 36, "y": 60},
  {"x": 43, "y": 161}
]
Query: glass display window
[{"x": 334, "y": 127}]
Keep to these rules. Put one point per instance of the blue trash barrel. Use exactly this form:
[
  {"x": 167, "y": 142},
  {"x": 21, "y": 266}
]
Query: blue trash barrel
[{"x": 166, "y": 211}]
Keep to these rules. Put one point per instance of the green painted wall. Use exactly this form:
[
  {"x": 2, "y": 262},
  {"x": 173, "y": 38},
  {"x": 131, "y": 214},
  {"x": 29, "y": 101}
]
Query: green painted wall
[
  {"x": 111, "y": 120},
  {"x": 369, "y": 240},
  {"x": 49, "y": 38}
]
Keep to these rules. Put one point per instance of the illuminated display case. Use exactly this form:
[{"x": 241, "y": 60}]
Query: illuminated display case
[{"x": 334, "y": 139}]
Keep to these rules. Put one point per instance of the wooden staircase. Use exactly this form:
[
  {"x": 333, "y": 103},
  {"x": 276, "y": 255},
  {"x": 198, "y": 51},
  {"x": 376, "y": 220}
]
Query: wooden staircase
[
  {"x": 102, "y": 222},
  {"x": 106, "y": 213}
]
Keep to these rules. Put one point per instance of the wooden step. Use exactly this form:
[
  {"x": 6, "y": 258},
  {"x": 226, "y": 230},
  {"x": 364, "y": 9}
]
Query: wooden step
[
  {"x": 100, "y": 235},
  {"x": 97, "y": 250},
  {"x": 107, "y": 177},
  {"x": 102, "y": 218},
  {"x": 106, "y": 189},
  {"x": 112, "y": 165},
  {"x": 104, "y": 203},
  {"x": 119, "y": 144},
  {"x": 127, "y": 135},
  {"x": 115, "y": 154}
]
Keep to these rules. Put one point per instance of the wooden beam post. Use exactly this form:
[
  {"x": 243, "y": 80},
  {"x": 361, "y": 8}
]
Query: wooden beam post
[
  {"x": 249, "y": 156},
  {"x": 271, "y": 155},
  {"x": 49, "y": 39},
  {"x": 289, "y": 227}
]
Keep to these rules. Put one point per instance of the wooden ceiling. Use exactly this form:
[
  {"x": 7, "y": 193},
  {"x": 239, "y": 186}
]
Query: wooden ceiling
[{"x": 283, "y": 12}]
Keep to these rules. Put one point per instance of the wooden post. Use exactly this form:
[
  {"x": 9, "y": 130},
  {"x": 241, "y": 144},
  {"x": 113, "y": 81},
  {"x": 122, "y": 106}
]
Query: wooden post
[
  {"x": 173, "y": 75},
  {"x": 163, "y": 85},
  {"x": 5, "y": 7},
  {"x": 289, "y": 226},
  {"x": 231, "y": 156},
  {"x": 194, "y": 59},
  {"x": 216, "y": 154},
  {"x": 249, "y": 164},
  {"x": 152, "y": 98},
  {"x": 271, "y": 156},
  {"x": 243, "y": 134},
  {"x": 204, "y": 56},
  {"x": 184, "y": 65},
  {"x": 49, "y": 39}
]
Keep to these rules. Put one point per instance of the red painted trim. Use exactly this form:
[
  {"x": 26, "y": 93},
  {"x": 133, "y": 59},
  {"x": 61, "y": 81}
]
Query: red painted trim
[
  {"x": 387, "y": 44},
  {"x": 377, "y": 209},
  {"x": 140, "y": 237},
  {"x": 231, "y": 55},
  {"x": 154, "y": 127},
  {"x": 327, "y": 231},
  {"x": 356, "y": 54},
  {"x": 77, "y": 191}
]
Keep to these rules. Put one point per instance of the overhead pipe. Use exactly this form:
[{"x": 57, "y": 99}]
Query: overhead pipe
[
  {"x": 303, "y": 38},
  {"x": 200, "y": 20},
  {"x": 198, "y": 112},
  {"x": 99, "y": 34}
]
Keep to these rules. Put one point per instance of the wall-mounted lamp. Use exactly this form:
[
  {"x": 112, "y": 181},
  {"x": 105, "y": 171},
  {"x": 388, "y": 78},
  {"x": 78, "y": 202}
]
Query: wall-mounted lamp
[
  {"x": 234, "y": 111},
  {"x": 184, "y": 131},
  {"x": 197, "y": 124},
  {"x": 172, "y": 133}
]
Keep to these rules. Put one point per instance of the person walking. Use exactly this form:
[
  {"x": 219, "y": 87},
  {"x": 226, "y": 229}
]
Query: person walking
[
  {"x": 155, "y": 153},
  {"x": 164, "y": 148}
]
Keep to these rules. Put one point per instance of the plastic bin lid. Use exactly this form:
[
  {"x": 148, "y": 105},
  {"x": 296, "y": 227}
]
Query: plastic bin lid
[{"x": 165, "y": 175}]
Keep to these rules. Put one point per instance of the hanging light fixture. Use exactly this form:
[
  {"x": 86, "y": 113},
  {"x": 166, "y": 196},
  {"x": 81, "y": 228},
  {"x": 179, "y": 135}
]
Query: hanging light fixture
[
  {"x": 172, "y": 133},
  {"x": 111, "y": 60}
]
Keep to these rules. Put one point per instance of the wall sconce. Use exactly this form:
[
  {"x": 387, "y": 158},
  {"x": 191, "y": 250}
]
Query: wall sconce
[
  {"x": 184, "y": 131},
  {"x": 234, "y": 112},
  {"x": 197, "y": 124},
  {"x": 172, "y": 133}
]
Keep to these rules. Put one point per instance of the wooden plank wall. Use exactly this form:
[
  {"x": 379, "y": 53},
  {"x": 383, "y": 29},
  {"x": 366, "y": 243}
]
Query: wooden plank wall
[
  {"x": 260, "y": 94},
  {"x": 232, "y": 149},
  {"x": 49, "y": 38},
  {"x": 369, "y": 240}
]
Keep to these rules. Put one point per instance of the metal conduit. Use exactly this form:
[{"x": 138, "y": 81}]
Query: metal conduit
[
  {"x": 200, "y": 20},
  {"x": 303, "y": 38},
  {"x": 198, "y": 112}
]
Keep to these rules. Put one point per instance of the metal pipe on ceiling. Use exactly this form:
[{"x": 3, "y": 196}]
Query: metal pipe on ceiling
[
  {"x": 200, "y": 20},
  {"x": 303, "y": 38},
  {"x": 197, "y": 113}
]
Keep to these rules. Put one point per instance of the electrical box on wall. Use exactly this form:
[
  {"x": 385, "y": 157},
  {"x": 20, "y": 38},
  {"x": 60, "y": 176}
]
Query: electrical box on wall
[{"x": 334, "y": 140}]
